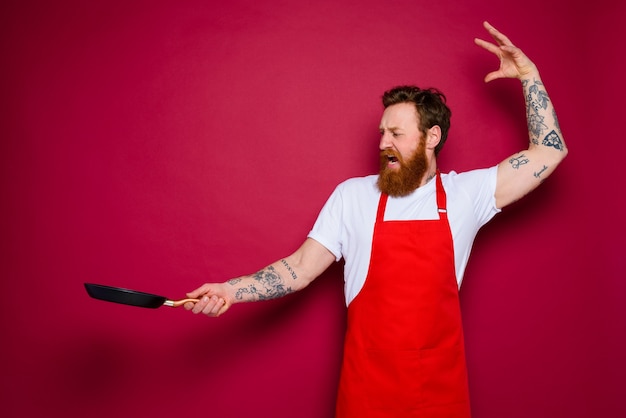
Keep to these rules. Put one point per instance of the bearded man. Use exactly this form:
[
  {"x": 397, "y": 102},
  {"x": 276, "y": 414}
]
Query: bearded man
[
  {"x": 405, "y": 236},
  {"x": 410, "y": 113}
]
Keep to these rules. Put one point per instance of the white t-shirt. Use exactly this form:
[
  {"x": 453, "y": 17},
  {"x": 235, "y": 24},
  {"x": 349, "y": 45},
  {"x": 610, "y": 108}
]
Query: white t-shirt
[{"x": 345, "y": 225}]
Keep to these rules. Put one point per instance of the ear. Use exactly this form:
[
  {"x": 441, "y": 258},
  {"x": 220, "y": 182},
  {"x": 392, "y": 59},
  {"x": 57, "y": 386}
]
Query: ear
[{"x": 433, "y": 136}]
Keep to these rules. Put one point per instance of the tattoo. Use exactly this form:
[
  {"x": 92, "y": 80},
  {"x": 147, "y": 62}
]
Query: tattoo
[
  {"x": 556, "y": 120},
  {"x": 517, "y": 161},
  {"x": 538, "y": 174},
  {"x": 269, "y": 284},
  {"x": 289, "y": 269},
  {"x": 553, "y": 140},
  {"x": 536, "y": 101},
  {"x": 536, "y": 127}
]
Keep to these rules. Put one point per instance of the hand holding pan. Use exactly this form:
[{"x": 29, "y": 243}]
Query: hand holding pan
[{"x": 132, "y": 297}]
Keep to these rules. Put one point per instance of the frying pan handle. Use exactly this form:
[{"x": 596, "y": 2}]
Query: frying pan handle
[{"x": 177, "y": 303}]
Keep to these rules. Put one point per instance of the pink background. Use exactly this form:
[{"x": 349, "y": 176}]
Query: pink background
[{"x": 157, "y": 145}]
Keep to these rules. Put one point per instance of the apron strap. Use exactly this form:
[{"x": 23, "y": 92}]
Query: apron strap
[
  {"x": 382, "y": 204},
  {"x": 442, "y": 207}
]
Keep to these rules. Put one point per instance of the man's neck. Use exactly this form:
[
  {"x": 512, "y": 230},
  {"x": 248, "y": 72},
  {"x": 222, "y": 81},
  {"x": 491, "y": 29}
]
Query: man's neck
[{"x": 430, "y": 173}]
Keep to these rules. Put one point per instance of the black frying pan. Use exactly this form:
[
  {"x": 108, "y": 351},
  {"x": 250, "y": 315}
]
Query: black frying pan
[{"x": 132, "y": 297}]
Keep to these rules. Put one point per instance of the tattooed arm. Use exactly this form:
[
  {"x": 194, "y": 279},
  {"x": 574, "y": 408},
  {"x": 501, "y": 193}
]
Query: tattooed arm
[
  {"x": 525, "y": 170},
  {"x": 280, "y": 278}
]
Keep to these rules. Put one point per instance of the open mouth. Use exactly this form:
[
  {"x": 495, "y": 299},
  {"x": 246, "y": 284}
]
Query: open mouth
[{"x": 390, "y": 160}]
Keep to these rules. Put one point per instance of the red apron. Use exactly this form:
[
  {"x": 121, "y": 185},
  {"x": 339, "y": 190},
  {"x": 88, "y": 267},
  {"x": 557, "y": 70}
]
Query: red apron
[{"x": 404, "y": 354}]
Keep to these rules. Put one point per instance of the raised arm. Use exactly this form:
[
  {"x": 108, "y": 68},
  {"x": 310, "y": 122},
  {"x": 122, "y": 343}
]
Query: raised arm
[
  {"x": 522, "y": 172},
  {"x": 280, "y": 278}
]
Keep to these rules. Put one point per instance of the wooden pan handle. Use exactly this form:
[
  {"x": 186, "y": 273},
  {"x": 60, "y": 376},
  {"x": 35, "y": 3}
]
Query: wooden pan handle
[{"x": 177, "y": 303}]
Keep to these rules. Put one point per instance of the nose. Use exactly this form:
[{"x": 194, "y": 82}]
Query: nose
[{"x": 385, "y": 141}]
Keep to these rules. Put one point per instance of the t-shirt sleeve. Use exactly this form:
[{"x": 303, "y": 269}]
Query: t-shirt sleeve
[
  {"x": 480, "y": 185},
  {"x": 327, "y": 229}
]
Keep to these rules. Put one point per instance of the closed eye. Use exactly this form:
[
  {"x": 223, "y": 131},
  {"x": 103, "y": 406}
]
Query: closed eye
[{"x": 394, "y": 134}]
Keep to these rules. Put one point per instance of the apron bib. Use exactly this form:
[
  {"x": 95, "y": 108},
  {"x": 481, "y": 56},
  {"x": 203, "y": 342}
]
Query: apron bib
[{"x": 403, "y": 352}]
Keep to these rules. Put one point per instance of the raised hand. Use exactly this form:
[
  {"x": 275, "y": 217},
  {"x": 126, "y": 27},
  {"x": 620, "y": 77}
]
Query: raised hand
[{"x": 513, "y": 62}]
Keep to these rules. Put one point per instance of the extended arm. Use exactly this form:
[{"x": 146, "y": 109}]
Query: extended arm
[
  {"x": 280, "y": 278},
  {"x": 524, "y": 171}
]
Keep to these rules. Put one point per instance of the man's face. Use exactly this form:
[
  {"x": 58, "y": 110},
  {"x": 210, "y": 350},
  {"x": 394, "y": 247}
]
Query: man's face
[{"x": 403, "y": 161}]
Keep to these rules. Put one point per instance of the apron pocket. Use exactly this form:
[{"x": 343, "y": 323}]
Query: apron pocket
[
  {"x": 393, "y": 380},
  {"x": 443, "y": 377}
]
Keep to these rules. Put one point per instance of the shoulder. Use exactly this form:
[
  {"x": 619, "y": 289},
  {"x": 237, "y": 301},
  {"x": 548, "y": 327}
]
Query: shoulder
[
  {"x": 473, "y": 182},
  {"x": 353, "y": 192},
  {"x": 359, "y": 185},
  {"x": 472, "y": 189}
]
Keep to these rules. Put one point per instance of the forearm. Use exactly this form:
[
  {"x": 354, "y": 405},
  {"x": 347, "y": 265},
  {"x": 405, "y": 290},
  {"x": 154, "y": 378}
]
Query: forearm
[
  {"x": 284, "y": 276},
  {"x": 524, "y": 171},
  {"x": 281, "y": 278},
  {"x": 545, "y": 135},
  {"x": 274, "y": 281}
]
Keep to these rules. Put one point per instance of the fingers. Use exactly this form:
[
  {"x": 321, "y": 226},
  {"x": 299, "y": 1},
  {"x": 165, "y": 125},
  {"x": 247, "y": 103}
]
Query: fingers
[
  {"x": 209, "y": 305},
  {"x": 195, "y": 294},
  {"x": 496, "y": 50},
  {"x": 211, "y": 301},
  {"x": 513, "y": 62},
  {"x": 498, "y": 36},
  {"x": 487, "y": 45},
  {"x": 502, "y": 41},
  {"x": 492, "y": 76}
]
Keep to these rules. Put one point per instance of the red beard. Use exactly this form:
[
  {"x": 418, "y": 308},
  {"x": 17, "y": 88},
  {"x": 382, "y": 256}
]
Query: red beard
[{"x": 406, "y": 179}]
